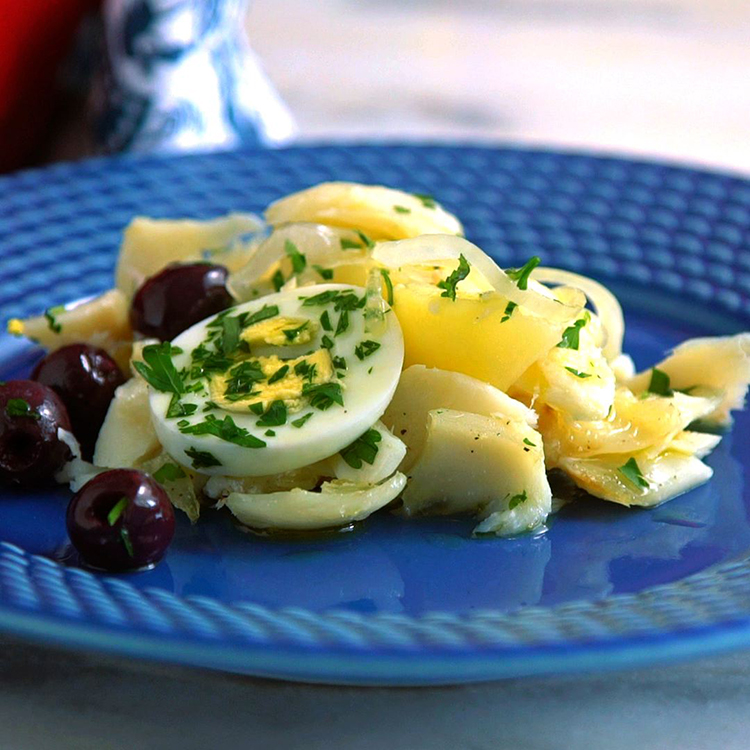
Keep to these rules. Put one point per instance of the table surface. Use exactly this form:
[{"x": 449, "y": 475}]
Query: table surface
[
  {"x": 60, "y": 699},
  {"x": 649, "y": 77}
]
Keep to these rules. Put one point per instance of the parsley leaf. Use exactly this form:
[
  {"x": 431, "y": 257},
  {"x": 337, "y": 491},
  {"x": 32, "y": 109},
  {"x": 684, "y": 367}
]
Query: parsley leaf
[
  {"x": 158, "y": 369},
  {"x": 292, "y": 333},
  {"x": 571, "y": 335},
  {"x": 299, "y": 261},
  {"x": 279, "y": 374},
  {"x": 363, "y": 449},
  {"x": 339, "y": 363},
  {"x": 528, "y": 442},
  {"x": 17, "y": 407},
  {"x": 365, "y": 348},
  {"x": 516, "y": 500},
  {"x": 117, "y": 510},
  {"x": 230, "y": 335},
  {"x": 202, "y": 459},
  {"x": 660, "y": 384},
  {"x": 326, "y": 342},
  {"x": 509, "y": 308},
  {"x": 125, "y": 536},
  {"x": 178, "y": 409},
  {"x": 578, "y": 373},
  {"x": 224, "y": 429},
  {"x": 402, "y": 210},
  {"x": 301, "y": 421},
  {"x": 450, "y": 282},
  {"x": 388, "y": 285},
  {"x": 277, "y": 280},
  {"x": 169, "y": 473},
  {"x": 631, "y": 471},
  {"x": 366, "y": 241},
  {"x": 343, "y": 323},
  {"x": 50, "y": 315},
  {"x": 427, "y": 200},
  {"x": 275, "y": 415},
  {"x": 265, "y": 312},
  {"x": 347, "y": 244},
  {"x": 521, "y": 275},
  {"x": 325, "y": 321},
  {"x": 325, "y": 273},
  {"x": 242, "y": 379},
  {"x": 323, "y": 395}
]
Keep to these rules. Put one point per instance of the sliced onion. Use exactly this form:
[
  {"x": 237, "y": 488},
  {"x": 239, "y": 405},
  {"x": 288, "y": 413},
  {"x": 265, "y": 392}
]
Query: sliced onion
[
  {"x": 337, "y": 504},
  {"x": 605, "y": 304},
  {"x": 435, "y": 248}
]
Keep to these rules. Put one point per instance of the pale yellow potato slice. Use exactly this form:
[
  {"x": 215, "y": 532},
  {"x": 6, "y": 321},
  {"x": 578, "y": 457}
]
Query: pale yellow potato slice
[
  {"x": 422, "y": 389},
  {"x": 380, "y": 212},
  {"x": 477, "y": 464},
  {"x": 721, "y": 363},
  {"x": 101, "y": 321},
  {"x": 150, "y": 244},
  {"x": 336, "y": 504}
]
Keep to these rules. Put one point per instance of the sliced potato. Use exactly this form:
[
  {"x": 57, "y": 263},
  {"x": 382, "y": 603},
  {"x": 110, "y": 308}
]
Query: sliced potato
[
  {"x": 472, "y": 463},
  {"x": 722, "y": 363},
  {"x": 669, "y": 474},
  {"x": 422, "y": 389},
  {"x": 380, "y": 212},
  {"x": 101, "y": 321},
  {"x": 127, "y": 437},
  {"x": 337, "y": 504},
  {"x": 150, "y": 244}
]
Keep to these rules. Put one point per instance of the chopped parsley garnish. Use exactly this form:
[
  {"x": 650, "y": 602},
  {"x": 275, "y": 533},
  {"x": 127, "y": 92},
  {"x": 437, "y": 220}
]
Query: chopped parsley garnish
[
  {"x": 325, "y": 273},
  {"x": 265, "y": 312},
  {"x": 279, "y": 374},
  {"x": 117, "y": 510},
  {"x": 509, "y": 308},
  {"x": 230, "y": 335},
  {"x": 178, "y": 409},
  {"x": 427, "y": 200},
  {"x": 299, "y": 261},
  {"x": 275, "y": 415},
  {"x": 293, "y": 333},
  {"x": 388, "y": 285},
  {"x": 224, "y": 429},
  {"x": 17, "y": 407},
  {"x": 325, "y": 321},
  {"x": 202, "y": 459},
  {"x": 257, "y": 409},
  {"x": 342, "y": 300},
  {"x": 158, "y": 369},
  {"x": 363, "y": 449},
  {"x": 51, "y": 314},
  {"x": 631, "y": 471},
  {"x": 323, "y": 395},
  {"x": 366, "y": 241},
  {"x": 277, "y": 280},
  {"x": 521, "y": 275},
  {"x": 578, "y": 373},
  {"x": 660, "y": 384},
  {"x": 169, "y": 473},
  {"x": 343, "y": 323},
  {"x": 347, "y": 244},
  {"x": 320, "y": 299},
  {"x": 339, "y": 363},
  {"x": 528, "y": 442},
  {"x": 206, "y": 361},
  {"x": 125, "y": 536},
  {"x": 326, "y": 342},
  {"x": 402, "y": 210},
  {"x": 365, "y": 349},
  {"x": 210, "y": 405},
  {"x": 301, "y": 421},
  {"x": 572, "y": 335},
  {"x": 516, "y": 500},
  {"x": 242, "y": 379},
  {"x": 450, "y": 282},
  {"x": 269, "y": 433},
  {"x": 305, "y": 370}
]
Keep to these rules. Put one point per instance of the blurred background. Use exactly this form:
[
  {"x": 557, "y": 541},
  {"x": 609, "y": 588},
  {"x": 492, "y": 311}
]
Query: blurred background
[{"x": 662, "y": 78}]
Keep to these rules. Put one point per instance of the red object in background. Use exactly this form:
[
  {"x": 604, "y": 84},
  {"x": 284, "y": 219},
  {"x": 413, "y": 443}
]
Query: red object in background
[{"x": 35, "y": 37}]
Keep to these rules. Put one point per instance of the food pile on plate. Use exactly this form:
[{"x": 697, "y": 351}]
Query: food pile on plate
[{"x": 353, "y": 352}]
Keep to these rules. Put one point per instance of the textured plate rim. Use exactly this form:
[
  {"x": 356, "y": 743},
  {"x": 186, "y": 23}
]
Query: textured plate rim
[{"x": 441, "y": 647}]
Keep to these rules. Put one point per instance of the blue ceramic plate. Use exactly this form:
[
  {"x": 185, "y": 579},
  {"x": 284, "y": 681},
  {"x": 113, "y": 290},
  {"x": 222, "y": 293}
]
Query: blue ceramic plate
[{"x": 408, "y": 602}]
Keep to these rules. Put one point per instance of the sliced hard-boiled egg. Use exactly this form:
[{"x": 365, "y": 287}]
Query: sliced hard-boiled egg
[{"x": 274, "y": 384}]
